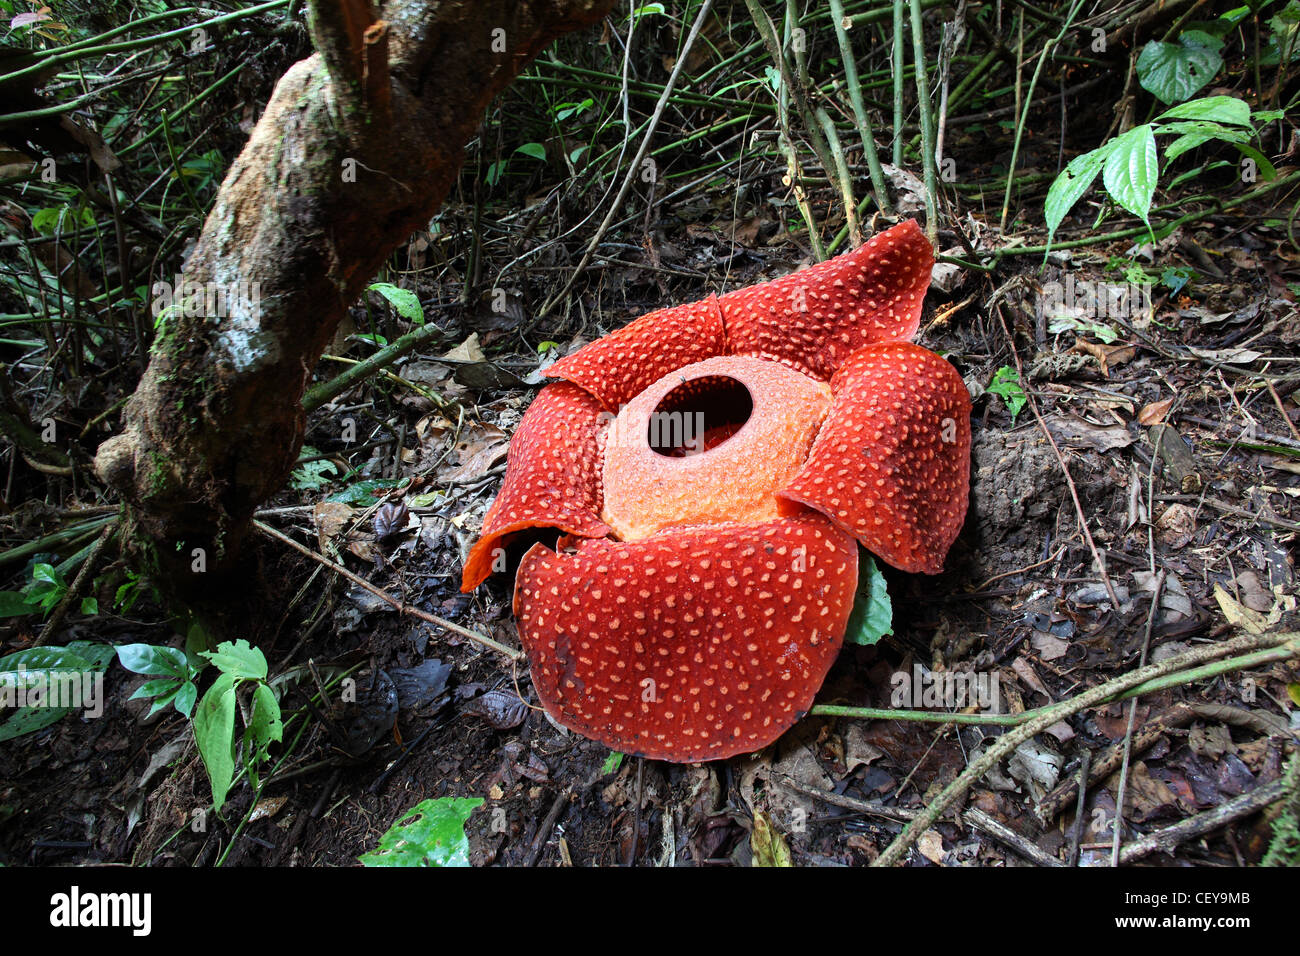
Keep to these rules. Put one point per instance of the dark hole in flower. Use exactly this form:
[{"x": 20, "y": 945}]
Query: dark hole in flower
[{"x": 699, "y": 415}]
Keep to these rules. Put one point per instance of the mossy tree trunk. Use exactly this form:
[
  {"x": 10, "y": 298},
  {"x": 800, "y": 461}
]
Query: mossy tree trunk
[{"x": 357, "y": 148}]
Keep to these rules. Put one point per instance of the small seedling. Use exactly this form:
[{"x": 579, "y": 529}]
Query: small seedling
[{"x": 1006, "y": 385}]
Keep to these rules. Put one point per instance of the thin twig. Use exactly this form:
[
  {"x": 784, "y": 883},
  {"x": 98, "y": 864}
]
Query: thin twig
[
  {"x": 973, "y": 817},
  {"x": 927, "y": 124},
  {"x": 635, "y": 169},
  {"x": 510, "y": 652},
  {"x": 1290, "y": 642},
  {"x": 1076, "y": 831},
  {"x": 1065, "y": 469},
  {"x": 543, "y": 834},
  {"x": 859, "y": 109},
  {"x": 1157, "y": 590},
  {"x": 1000, "y": 831},
  {"x": 1202, "y": 823},
  {"x": 78, "y": 584}
]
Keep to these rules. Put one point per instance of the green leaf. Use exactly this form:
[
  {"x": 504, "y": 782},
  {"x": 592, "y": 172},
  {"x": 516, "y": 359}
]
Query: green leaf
[
  {"x": 1228, "y": 134},
  {"x": 14, "y": 604},
  {"x": 44, "y": 659},
  {"x": 406, "y": 302},
  {"x": 214, "y": 732},
  {"x": 41, "y": 666},
  {"x": 493, "y": 174},
  {"x": 535, "y": 150},
  {"x": 264, "y": 724},
  {"x": 873, "y": 612},
  {"x": 564, "y": 110},
  {"x": 28, "y": 720},
  {"x": 1131, "y": 170},
  {"x": 197, "y": 640},
  {"x": 47, "y": 588},
  {"x": 312, "y": 475},
  {"x": 47, "y": 574},
  {"x": 1214, "y": 109},
  {"x": 90, "y": 606},
  {"x": 161, "y": 702},
  {"x": 61, "y": 220},
  {"x": 1174, "y": 278},
  {"x": 362, "y": 493},
  {"x": 1184, "y": 143},
  {"x": 1173, "y": 72},
  {"x": 98, "y": 656},
  {"x": 1104, "y": 333},
  {"x": 612, "y": 763},
  {"x": 238, "y": 659},
  {"x": 151, "y": 659},
  {"x": 153, "y": 688},
  {"x": 1198, "y": 171},
  {"x": 185, "y": 698},
  {"x": 1070, "y": 186},
  {"x": 647, "y": 9},
  {"x": 1264, "y": 167},
  {"x": 431, "y": 834},
  {"x": 1006, "y": 385}
]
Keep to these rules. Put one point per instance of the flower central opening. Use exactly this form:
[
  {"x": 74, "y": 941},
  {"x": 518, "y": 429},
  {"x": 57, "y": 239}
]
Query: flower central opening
[
  {"x": 699, "y": 415},
  {"x": 709, "y": 443}
]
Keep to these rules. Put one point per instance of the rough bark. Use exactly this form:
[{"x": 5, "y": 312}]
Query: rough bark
[{"x": 215, "y": 425}]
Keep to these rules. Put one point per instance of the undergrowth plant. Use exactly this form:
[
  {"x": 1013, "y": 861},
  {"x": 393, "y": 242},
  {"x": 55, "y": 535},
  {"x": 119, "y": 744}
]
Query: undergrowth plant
[
  {"x": 1129, "y": 164},
  {"x": 240, "y": 689},
  {"x": 41, "y": 685},
  {"x": 1006, "y": 385}
]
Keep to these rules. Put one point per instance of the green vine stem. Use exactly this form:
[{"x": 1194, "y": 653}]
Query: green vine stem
[{"x": 1287, "y": 644}]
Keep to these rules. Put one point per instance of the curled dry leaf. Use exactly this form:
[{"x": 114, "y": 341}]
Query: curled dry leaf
[
  {"x": 501, "y": 708},
  {"x": 390, "y": 518},
  {"x": 1155, "y": 413}
]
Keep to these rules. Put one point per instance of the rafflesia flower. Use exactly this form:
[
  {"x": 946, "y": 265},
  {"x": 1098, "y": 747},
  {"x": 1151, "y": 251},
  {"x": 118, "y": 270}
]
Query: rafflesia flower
[{"x": 712, "y": 465}]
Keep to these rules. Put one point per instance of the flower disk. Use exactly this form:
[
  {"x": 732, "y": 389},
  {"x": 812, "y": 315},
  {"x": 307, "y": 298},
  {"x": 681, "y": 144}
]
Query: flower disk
[
  {"x": 647, "y": 491},
  {"x": 697, "y": 644},
  {"x": 696, "y": 604}
]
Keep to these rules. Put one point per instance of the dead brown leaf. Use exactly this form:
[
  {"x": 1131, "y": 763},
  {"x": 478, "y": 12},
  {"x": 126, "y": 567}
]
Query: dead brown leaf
[
  {"x": 1106, "y": 355},
  {"x": 1155, "y": 413}
]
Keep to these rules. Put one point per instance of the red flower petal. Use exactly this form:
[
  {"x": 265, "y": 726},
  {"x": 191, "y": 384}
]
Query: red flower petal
[
  {"x": 552, "y": 476},
  {"x": 694, "y": 644},
  {"x": 815, "y": 318},
  {"x": 891, "y": 464},
  {"x": 618, "y": 366}
]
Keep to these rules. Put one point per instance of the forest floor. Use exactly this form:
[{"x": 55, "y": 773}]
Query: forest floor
[
  {"x": 1154, "y": 424},
  {"x": 1019, "y": 599}
]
